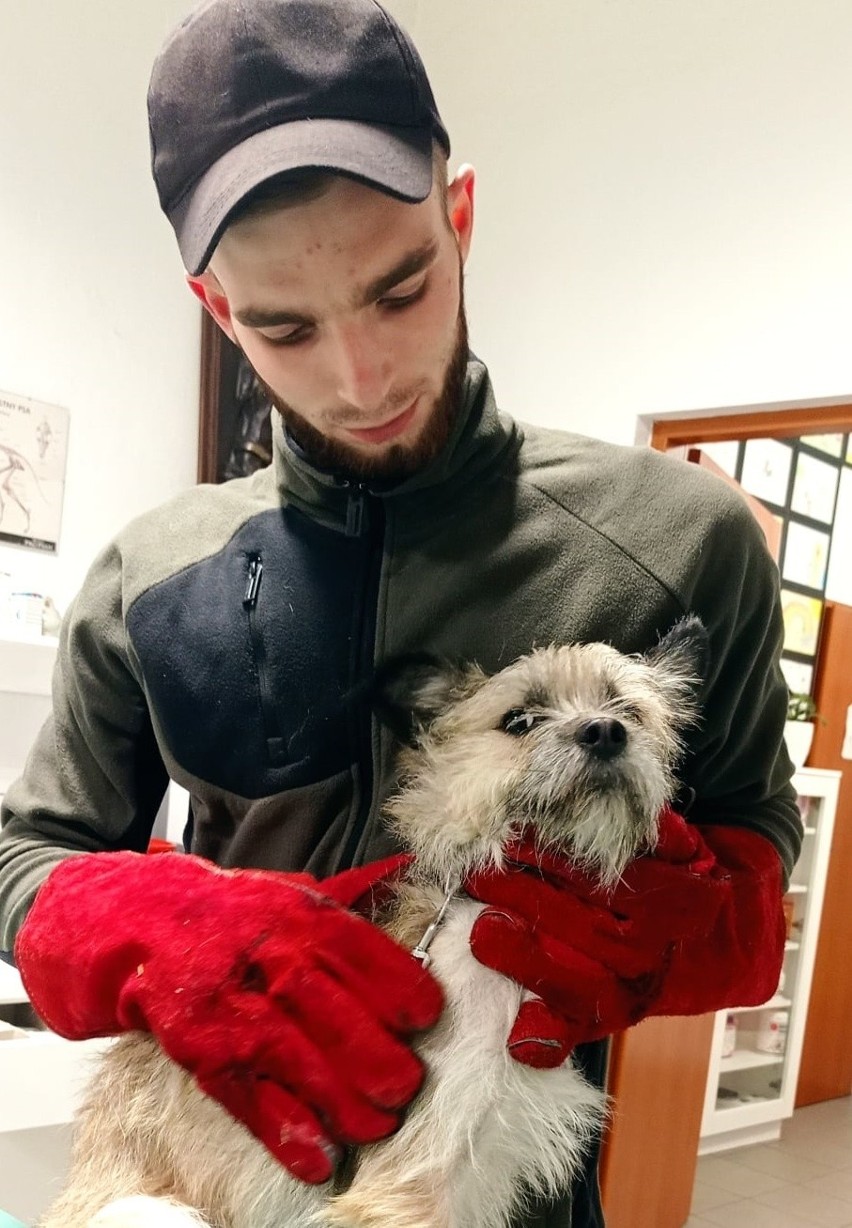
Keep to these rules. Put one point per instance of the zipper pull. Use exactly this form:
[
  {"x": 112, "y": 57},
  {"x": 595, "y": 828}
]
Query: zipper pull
[
  {"x": 255, "y": 572},
  {"x": 355, "y": 513}
]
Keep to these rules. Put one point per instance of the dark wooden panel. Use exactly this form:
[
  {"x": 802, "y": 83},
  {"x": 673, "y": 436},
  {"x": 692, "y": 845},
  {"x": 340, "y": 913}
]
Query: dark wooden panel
[
  {"x": 826, "y": 1069},
  {"x": 219, "y": 410},
  {"x": 658, "y": 1075}
]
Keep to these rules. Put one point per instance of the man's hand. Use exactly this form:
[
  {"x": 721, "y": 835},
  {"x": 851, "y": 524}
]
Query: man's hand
[
  {"x": 692, "y": 927},
  {"x": 291, "y": 1011}
]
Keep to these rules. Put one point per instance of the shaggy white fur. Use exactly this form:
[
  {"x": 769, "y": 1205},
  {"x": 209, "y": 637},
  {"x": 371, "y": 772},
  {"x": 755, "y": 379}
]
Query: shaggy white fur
[{"x": 491, "y": 755}]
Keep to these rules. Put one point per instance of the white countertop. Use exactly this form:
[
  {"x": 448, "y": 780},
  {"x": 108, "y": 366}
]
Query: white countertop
[
  {"x": 26, "y": 665},
  {"x": 11, "y": 985}
]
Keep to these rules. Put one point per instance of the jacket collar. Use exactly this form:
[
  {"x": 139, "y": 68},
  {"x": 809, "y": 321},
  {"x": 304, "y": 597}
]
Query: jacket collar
[{"x": 482, "y": 438}]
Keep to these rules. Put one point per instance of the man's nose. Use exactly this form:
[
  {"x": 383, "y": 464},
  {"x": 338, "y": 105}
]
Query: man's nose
[{"x": 362, "y": 367}]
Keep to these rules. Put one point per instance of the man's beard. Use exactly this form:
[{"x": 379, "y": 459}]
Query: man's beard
[{"x": 399, "y": 461}]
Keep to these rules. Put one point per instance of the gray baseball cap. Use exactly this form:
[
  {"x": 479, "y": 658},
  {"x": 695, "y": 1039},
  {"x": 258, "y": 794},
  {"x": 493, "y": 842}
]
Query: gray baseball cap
[{"x": 245, "y": 90}]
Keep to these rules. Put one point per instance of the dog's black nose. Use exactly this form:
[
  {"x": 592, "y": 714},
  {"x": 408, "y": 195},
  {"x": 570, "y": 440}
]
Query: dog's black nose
[{"x": 604, "y": 737}]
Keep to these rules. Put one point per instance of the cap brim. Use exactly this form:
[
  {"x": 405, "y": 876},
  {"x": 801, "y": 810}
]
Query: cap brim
[{"x": 394, "y": 160}]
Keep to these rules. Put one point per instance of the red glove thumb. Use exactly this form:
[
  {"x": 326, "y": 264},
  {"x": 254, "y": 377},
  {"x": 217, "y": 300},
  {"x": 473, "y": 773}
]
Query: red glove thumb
[
  {"x": 365, "y": 889},
  {"x": 539, "y": 1037}
]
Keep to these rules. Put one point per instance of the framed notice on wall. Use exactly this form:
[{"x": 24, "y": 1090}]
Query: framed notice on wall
[{"x": 33, "y": 454}]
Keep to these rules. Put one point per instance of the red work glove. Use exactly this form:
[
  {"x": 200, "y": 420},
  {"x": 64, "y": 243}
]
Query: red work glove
[
  {"x": 695, "y": 926},
  {"x": 289, "y": 1010}
]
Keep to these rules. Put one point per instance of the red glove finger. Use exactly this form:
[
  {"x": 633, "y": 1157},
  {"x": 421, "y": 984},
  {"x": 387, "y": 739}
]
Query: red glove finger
[
  {"x": 689, "y": 880},
  {"x": 575, "y": 985},
  {"x": 303, "y": 1147},
  {"x": 542, "y": 901},
  {"x": 380, "y": 1069},
  {"x": 417, "y": 998},
  {"x": 678, "y": 844},
  {"x": 297, "y": 1063},
  {"x": 681, "y": 843},
  {"x": 365, "y": 889},
  {"x": 539, "y": 1037}
]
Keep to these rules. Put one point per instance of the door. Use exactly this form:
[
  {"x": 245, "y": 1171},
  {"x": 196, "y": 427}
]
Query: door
[{"x": 826, "y": 1069}]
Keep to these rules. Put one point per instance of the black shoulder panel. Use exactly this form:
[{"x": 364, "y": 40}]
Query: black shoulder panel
[{"x": 248, "y": 655}]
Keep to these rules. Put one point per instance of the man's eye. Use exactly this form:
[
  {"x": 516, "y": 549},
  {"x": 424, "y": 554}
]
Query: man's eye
[
  {"x": 518, "y": 721},
  {"x": 397, "y": 301},
  {"x": 294, "y": 338}
]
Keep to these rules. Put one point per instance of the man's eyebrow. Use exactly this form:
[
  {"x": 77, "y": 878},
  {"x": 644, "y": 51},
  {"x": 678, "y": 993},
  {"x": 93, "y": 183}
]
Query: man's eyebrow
[
  {"x": 410, "y": 264},
  {"x": 414, "y": 262},
  {"x": 256, "y": 317}
]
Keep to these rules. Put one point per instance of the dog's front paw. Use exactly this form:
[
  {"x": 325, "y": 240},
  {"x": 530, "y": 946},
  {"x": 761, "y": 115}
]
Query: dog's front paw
[{"x": 142, "y": 1212}]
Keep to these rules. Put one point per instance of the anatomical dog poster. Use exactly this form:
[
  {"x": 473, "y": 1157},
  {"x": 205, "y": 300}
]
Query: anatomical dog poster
[{"x": 33, "y": 452}]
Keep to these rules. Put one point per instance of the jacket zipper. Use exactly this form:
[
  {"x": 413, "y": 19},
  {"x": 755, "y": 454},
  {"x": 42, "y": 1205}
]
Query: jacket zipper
[
  {"x": 275, "y": 748},
  {"x": 364, "y": 515}
]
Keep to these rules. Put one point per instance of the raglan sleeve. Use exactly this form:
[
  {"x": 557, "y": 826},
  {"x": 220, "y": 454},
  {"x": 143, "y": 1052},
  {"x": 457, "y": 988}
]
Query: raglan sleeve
[
  {"x": 94, "y": 778},
  {"x": 737, "y": 763}
]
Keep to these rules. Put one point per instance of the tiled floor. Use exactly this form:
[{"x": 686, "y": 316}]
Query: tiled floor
[{"x": 804, "y": 1180}]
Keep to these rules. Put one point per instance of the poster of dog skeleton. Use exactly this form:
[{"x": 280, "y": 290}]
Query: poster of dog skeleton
[{"x": 33, "y": 453}]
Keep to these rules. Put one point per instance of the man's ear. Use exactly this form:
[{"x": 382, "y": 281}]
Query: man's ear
[
  {"x": 460, "y": 194},
  {"x": 210, "y": 294}
]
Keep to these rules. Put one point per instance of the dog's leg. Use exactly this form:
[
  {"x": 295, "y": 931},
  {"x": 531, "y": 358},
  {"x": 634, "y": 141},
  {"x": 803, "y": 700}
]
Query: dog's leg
[
  {"x": 144, "y": 1212},
  {"x": 388, "y": 1202}
]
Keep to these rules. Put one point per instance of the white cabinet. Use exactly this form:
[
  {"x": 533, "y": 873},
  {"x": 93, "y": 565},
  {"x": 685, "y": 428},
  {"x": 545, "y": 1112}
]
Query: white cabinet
[
  {"x": 41, "y": 1075},
  {"x": 26, "y": 666},
  {"x": 751, "y": 1091}
]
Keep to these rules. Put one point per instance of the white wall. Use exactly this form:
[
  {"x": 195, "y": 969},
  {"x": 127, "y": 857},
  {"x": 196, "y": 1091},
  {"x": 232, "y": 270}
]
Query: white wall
[
  {"x": 662, "y": 222},
  {"x": 663, "y": 208},
  {"x": 93, "y": 311}
]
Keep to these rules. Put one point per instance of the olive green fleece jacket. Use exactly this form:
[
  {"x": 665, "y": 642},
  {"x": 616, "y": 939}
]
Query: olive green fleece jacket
[{"x": 218, "y": 640}]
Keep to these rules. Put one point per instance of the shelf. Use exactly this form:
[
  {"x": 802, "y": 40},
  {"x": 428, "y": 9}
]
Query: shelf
[
  {"x": 761, "y": 1087},
  {"x": 724, "y": 1104},
  {"x": 748, "y": 1059},
  {"x": 776, "y": 1003},
  {"x": 814, "y": 776}
]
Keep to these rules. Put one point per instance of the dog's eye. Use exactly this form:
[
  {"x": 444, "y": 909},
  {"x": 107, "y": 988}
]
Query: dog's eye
[{"x": 518, "y": 721}]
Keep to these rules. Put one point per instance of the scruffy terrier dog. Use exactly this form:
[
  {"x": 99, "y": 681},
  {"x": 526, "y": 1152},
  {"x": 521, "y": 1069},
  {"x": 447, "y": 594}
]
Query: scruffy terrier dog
[{"x": 580, "y": 742}]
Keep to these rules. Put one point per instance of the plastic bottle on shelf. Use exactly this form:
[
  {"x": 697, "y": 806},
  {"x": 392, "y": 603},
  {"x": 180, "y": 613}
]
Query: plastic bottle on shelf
[
  {"x": 729, "y": 1042},
  {"x": 772, "y": 1034}
]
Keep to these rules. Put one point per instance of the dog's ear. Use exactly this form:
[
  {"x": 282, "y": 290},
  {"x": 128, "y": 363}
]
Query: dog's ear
[
  {"x": 683, "y": 652},
  {"x": 409, "y": 692}
]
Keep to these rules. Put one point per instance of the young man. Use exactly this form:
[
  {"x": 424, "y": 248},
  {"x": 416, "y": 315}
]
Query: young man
[{"x": 301, "y": 160}]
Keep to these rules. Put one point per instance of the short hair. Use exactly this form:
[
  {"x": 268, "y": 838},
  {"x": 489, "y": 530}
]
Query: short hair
[{"x": 298, "y": 186}]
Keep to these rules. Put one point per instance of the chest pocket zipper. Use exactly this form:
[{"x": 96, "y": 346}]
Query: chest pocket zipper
[{"x": 275, "y": 747}]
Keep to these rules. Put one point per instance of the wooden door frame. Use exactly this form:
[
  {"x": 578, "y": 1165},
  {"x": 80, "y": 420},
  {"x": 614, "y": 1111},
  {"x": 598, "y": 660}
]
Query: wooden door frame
[
  {"x": 210, "y": 397},
  {"x": 774, "y": 422},
  {"x": 642, "y": 1188}
]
